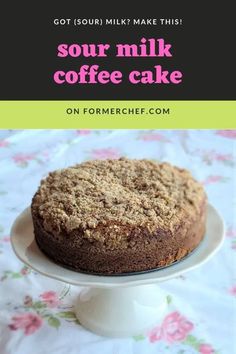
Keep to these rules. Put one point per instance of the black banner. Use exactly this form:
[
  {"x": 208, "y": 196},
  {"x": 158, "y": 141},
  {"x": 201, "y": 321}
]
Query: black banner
[{"x": 199, "y": 64}]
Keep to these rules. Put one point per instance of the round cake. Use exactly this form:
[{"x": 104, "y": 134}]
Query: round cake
[{"x": 118, "y": 216}]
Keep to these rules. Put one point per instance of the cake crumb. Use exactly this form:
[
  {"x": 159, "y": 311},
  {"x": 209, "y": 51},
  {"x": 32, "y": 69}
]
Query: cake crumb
[{"x": 119, "y": 194}]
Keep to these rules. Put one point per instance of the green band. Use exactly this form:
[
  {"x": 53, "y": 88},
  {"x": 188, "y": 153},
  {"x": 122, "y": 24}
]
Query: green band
[{"x": 118, "y": 114}]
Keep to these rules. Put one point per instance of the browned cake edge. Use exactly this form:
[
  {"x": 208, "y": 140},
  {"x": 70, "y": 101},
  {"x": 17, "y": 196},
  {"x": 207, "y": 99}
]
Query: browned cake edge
[{"x": 146, "y": 251}]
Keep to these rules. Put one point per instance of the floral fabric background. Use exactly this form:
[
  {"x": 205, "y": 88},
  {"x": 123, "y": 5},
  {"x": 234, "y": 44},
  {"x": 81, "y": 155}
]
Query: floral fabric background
[{"x": 36, "y": 313}]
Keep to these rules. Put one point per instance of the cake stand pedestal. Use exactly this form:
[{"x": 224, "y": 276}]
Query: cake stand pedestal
[
  {"x": 116, "y": 306},
  {"x": 121, "y": 311}
]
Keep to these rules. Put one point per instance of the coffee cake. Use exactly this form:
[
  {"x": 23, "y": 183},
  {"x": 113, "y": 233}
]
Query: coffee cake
[{"x": 118, "y": 216}]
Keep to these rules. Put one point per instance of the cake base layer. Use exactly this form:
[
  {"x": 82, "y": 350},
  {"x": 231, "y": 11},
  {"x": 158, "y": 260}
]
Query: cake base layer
[{"x": 163, "y": 249}]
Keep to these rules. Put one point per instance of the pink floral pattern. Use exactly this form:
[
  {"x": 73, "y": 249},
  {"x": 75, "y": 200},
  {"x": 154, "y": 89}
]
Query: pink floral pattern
[
  {"x": 6, "y": 239},
  {"x": 23, "y": 159},
  {"x": 83, "y": 132},
  {"x": 27, "y": 156},
  {"x": 174, "y": 328},
  {"x": 211, "y": 156},
  {"x": 29, "y": 322},
  {"x": 230, "y": 134},
  {"x": 232, "y": 290},
  {"x": 214, "y": 179},
  {"x": 107, "y": 153},
  {"x": 153, "y": 136},
  {"x": 231, "y": 233},
  {"x": 25, "y": 270},
  {"x": 50, "y": 298},
  {"x": 206, "y": 349},
  {"x": 9, "y": 274},
  {"x": 4, "y": 143}
]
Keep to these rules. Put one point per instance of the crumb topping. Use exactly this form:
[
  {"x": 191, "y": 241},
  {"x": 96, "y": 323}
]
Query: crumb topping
[{"x": 110, "y": 194}]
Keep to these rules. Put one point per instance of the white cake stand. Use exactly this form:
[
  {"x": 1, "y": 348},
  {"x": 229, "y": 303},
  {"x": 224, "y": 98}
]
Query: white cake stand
[{"x": 116, "y": 305}]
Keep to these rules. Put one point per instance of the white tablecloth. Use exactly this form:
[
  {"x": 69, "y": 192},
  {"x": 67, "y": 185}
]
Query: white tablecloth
[{"x": 36, "y": 313}]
